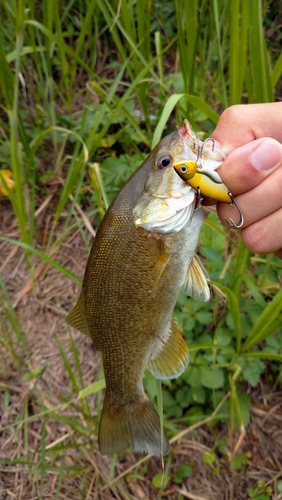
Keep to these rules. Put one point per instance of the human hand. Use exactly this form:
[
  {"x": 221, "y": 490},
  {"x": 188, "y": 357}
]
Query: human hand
[{"x": 251, "y": 136}]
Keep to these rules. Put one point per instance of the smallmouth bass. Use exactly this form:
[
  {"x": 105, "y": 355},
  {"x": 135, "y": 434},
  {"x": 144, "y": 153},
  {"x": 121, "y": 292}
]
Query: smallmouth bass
[{"x": 142, "y": 256}]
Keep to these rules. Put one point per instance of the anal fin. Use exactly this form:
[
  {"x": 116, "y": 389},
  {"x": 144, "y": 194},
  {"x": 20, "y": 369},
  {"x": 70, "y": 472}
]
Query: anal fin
[
  {"x": 77, "y": 316},
  {"x": 171, "y": 357},
  {"x": 196, "y": 284}
]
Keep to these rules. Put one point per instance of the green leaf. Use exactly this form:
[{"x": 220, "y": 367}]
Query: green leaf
[
  {"x": 252, "y": 309},
  {"x": 211, "y": 377},
  {"x": 183, "y": 471},
  {"x": 158, "y": 480},
  {"x": 204, "y": 317},
  {"x": 193, "y": 376},
  {"x": 252, "y": 368},
  {"x": 198, "y": 395},
  {"x": 238, "y": 461},
  {"x": 222, "y": 444},
  {"x": 222, "y": 336},
  {"x": 209, "y": 457}
]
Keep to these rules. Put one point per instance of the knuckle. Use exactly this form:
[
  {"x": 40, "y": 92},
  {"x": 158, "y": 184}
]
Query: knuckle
[{"x": 233, "y": 114}]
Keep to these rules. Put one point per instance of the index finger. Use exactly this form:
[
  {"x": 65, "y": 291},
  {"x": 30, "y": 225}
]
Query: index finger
[
  {"x": 249, "y": 165},
  {"x": 245, "y": 123}
]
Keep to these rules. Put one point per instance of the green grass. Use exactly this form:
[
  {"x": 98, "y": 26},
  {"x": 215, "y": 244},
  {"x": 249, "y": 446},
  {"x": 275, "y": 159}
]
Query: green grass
[{"x": 87, "y": 88}]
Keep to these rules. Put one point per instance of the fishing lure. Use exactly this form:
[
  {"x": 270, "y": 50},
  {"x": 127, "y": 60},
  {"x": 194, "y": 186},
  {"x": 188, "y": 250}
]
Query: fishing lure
[{"x": 207, "y": 182}]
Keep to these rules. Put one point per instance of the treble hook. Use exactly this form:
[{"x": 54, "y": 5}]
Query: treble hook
[
  {"x": 201, "y": 149},
  {"x": 241, "y": 220}
]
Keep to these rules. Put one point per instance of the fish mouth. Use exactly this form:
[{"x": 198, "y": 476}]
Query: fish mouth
[{"x": 205, "y": 153}]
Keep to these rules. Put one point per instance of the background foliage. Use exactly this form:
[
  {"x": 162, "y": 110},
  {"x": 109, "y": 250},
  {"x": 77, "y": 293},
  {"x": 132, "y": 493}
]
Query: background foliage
[{"x": 87, "y": 87}]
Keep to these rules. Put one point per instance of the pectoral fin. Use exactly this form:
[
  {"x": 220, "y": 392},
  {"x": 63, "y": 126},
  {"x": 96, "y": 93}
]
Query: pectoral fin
[
  {"x": 171, "y": 357},
  {"x": 196, "y": 284},
  {"x": 77, "y": 316}
]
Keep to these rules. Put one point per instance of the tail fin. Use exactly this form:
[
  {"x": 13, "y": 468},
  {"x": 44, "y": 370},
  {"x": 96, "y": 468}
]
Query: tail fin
[{"x": 135, "y": 426}]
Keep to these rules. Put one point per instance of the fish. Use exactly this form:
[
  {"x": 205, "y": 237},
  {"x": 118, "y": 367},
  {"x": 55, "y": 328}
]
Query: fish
[{"x": 143, "y": 255}]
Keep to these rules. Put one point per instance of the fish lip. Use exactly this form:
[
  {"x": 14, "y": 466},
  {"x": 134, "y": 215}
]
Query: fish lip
[{"x": 187, "y": 154}]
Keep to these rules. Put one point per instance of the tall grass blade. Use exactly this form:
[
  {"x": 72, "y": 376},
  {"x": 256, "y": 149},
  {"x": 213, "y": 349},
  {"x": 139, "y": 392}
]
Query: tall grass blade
[
  {"x": 92, "y": 389},
  {"x": 98, "y": 185},
  {"x": 239, "y": 13},
  {"x": 242, "y": 259},
  {"x": 269, "y": 321},
  {"x": 71, "y": 374},
  {"x": 159, "y": 392},
  {"x": 262, "y": 355},
  {"x": 42, "y": 459},
  {"x": 187, "y": 31},
  {"x": 170, "y": 105},
  {"x": 43, "y": 256},
  {"x": 84, "y": 34},
  {"x": 260, "y": 72},
  {"x": 219, "y": 51},
  {"x": 277, "y": 71},
  {"x": 252, "y": 287},
  {"x": 61, "y": 44}
]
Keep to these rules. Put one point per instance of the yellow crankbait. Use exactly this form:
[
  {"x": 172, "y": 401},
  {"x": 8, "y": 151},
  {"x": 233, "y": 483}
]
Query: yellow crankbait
[
  {"x": 201, "y": 181},
  {"x": 204, "y": 179}
]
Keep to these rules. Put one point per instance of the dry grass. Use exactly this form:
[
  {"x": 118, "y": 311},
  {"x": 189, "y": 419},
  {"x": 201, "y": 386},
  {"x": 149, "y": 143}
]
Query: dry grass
[{"x": 78, "y": 470}]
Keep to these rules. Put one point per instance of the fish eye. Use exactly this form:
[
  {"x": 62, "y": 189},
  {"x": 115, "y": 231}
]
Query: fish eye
[
  {"x": 183, "y": 169},
  {"x": 163, "y": 161}
]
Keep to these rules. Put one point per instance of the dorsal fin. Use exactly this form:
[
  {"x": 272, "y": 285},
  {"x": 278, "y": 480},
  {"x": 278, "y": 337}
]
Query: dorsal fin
[
  {"x": 196, "y": 284},
  {"x": 77, "y": 316}
]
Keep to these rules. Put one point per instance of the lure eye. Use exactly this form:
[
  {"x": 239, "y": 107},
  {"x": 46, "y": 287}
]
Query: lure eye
[
  {"x": 163, "y": 161},
  {"x": 186, "y": 169}
]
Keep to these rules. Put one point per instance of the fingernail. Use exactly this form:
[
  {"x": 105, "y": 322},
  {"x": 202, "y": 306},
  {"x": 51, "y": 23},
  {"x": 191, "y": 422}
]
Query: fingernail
[{"x": 267, "y": 155}]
